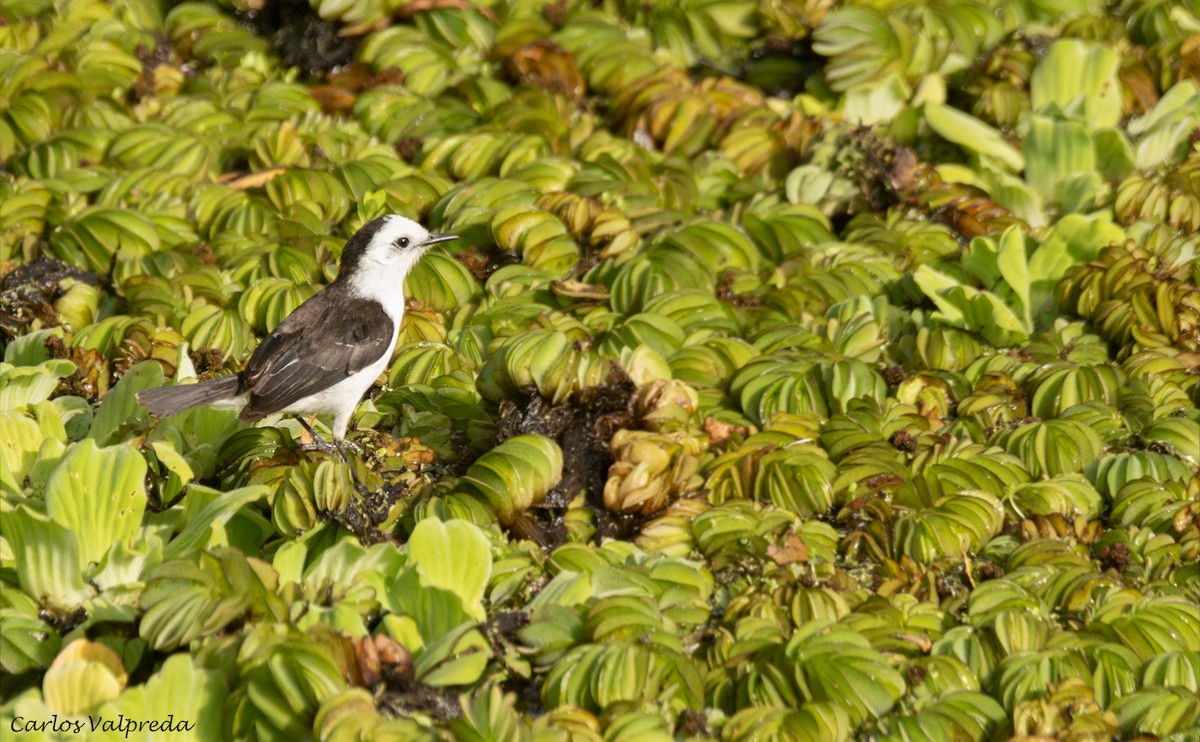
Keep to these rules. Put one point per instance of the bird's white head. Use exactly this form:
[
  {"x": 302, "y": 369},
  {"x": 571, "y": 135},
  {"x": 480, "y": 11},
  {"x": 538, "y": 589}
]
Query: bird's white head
[{"x": 381, "y": 253}]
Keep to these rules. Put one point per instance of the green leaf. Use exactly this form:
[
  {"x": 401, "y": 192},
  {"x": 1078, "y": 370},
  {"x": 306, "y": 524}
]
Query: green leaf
[
  {"x": 171, "y": 469},
  {"x": 99, "y": 494},
  {"x": 981, "y": 260},
  {"x": 966, "y": 307},
  {"x": 26, "y": 385},
  {"x": 1081, "y": 80},
  {"x": 348, "y": 561},
  {"x": 457, "y": 657},
  {"x": 196, "y": 532},
  {"x": 972, "y": 135},
  {"x": 1013, "y": 193},
  {"x": 876, "y": 102},
  {"x": 26, "y": 642},
  {"x": 46, "y": 556},
  {"x": 120, "y": 405},
  {"x": 997, "y": 321},
  {"x": 1061, "y": 163},
  {"x": 198, "y": 434},
  {"x": 1163, "y": 134},
  {"x": 936, "y": 286},
  {"x": 1114, "y": 156},
  {"x": 30, "y": 349},
  {"x": 455, "y": 556},
  {"x": 20, "y": 439},
  {"x": 566, "y": 589},
  {"x": 1015, "y": 271},
  {"x": 1075, "y": 240},
  {"x": 180, "y": 689}
]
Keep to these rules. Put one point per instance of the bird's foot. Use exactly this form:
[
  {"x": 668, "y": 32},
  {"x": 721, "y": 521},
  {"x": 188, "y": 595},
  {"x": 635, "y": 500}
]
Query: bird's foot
[
  {"x": 318, "y": 443},
  {"x": 338, "y": 448}
]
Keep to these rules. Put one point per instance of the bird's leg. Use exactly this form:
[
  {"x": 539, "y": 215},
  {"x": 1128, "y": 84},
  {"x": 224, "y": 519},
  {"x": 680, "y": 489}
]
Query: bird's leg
[
  {"x": 318, "y": 443},
  {"x": 308, "y": 436},
  {"x": 358, "y": 485},
  {"x": 337, "y": 448}
]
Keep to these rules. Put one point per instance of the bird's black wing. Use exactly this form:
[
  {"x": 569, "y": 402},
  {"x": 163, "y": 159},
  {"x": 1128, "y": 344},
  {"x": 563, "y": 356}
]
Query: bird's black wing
[{"x": 321, "y": 343}]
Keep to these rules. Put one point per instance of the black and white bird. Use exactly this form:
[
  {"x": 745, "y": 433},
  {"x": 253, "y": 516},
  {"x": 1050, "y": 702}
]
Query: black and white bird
[{"x": 325, "y": 355}]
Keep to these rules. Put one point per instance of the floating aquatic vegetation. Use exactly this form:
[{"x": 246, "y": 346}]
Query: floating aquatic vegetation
[{"x": 803, "y": 370}]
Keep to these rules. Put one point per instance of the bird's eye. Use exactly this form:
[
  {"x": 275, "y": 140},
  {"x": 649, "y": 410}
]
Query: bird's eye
[{"x": 402, "y": 242}]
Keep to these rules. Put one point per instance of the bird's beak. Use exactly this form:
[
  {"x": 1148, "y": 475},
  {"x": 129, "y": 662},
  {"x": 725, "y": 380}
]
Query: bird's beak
[{"x": 435, "y": 238}]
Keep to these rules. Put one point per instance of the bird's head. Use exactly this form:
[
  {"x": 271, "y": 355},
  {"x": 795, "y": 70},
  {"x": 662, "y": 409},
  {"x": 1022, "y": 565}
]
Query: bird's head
[{"x": 387, "y": 248}]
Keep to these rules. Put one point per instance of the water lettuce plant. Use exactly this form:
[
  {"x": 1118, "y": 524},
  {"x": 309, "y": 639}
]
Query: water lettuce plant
[{"x": 804, "y": 370}]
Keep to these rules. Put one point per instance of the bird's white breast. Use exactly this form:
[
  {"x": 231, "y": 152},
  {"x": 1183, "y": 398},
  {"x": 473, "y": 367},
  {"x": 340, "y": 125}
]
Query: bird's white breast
[{"x": 342, "y": 398}]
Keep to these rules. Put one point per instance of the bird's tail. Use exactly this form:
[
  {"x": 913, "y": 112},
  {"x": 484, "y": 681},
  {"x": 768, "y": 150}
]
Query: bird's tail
[{"x": 167, "y": 400}]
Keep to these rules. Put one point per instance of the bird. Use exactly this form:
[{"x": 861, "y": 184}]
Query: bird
[{"x": 324, "y": 356}]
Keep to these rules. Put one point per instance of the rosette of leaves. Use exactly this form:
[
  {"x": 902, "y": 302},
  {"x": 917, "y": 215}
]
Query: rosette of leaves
[
  {"x": 694, "y": 312},
  {"x": 824, "y": 721},
  {"x": 546, "y": 362},
  {"x": 57, "y": 549},
  {"x": 836, "y": 273},
  {"x": 203, "y": 32},
  {"x": 394, "y": 115},
  {"x": 892, "y": 624},
  {"x": 22, "y": 215},
  {"x": 514, "y": 476},
  {"x": 421, "y": 362},
  {"x": 700, "y": 28},
  {"x": 1158, "y": 710},
  {"x": 1148, "y": 625},
  {"x": 650, "y": 470},
  {"x": 866, "y": 425},
  {"x": 1115, "y": 470},
  {"x": 1059, "y": 386},
  {"x": 537, "y": 236},
  {"x": 654, "y": 332},
  {"x": 721, "y": 531},
  {"x": 653, "y": 273},
  {"x": 467, "y": 210},
  {"x": 824, "y": 664},
  {"x": 670, "y": 531},
  {"x": 1156, "y": 193},
  {"x": 866, "y": 47},
  {"x": 606, "y": 229},
  {"x": 427, "y": 64},
  {"x": 711, "y": 362},
  {"x": 956, "y": 714},
  {"x": 955, "y": 524},
  {"x": 1137, "y": 293},
  {"x": 1067, "y": 495},
  {"x": 594, "y": 40},
  {"x": 284, "y": 676},
  {"x": 471, "y": 156},
  {"x": 265, "y": 304},
  {"x": 1053, "y": 447},
  {"x": 793, "y": 475},
  {"x": 308, "y": 493},
  {"x": 318, "y": 191},
  {"x": 1071, "y": 144},
  {"x": 781, "y": 382},
  {"x": 601, "y": 676},
  {"x": 1013, "y": 279},
  {"x": 666, "y": 406},
  {"x": 1151, "y": 504}
]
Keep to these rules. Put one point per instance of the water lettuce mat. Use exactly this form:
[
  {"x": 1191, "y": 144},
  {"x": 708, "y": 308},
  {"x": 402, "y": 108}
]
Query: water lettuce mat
[{"x": 805, "y": 370}]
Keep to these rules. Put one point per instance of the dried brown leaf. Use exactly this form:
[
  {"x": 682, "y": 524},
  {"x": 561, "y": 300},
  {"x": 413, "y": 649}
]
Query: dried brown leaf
[
  {"x": 257, "y": 179},
  {"x": 793, "y": 550}
]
